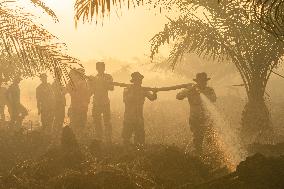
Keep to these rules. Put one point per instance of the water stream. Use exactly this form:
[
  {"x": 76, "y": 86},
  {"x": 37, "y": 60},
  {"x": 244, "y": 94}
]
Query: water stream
[{"x": 223, "y": 139}]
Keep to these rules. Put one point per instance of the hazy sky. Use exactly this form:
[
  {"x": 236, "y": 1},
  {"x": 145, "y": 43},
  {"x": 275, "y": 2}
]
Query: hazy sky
[{"x": 122, "y": 37}]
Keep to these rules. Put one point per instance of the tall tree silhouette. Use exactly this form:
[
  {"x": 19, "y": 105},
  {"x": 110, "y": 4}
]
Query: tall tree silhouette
[{"x": 228, "y": 31}]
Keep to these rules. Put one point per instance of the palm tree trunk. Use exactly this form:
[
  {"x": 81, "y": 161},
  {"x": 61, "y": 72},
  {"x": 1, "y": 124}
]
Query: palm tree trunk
[{"x": 256, "y": 122}]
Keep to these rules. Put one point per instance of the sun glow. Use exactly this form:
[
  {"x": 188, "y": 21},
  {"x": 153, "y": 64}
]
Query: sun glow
[{"x": 124, "y": 34}]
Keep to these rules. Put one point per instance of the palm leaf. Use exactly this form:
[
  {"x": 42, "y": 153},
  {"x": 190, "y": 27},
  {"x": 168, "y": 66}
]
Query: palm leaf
[
  {"x": 46, "y": 9},
  {"x": 88, "y": 9},
  {"x": 270, "y": 14},
  {"x": 228, "y": 31},
  {"x": 27, "y": 49}
]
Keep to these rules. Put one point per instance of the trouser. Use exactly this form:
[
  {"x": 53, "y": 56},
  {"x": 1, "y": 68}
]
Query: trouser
[
  {"x": 59, "y": 115},
  {"x": 78, "y": 118},
  {"x": 198, "y": 128},
  {"x": 17, "y": 115},
  {"x": 135, "y": 127},
  {"x": 47, "y": 119},
  {"x": 99, "y": 112}
]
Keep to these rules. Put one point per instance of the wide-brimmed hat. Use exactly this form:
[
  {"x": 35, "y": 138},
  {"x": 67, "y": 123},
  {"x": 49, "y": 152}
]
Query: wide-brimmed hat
[
  {"x": 136, "y": 76},
  {"x": 201, "y": 77}
]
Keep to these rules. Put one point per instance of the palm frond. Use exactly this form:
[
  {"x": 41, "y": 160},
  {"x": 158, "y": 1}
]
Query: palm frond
[
  {"x": 227, "y": 31},
  {"x": 28, "y": 48},
  {"x": 46, "y": 9},
  {"x": 270, "y": 14},
  {"x": 186, "y": 34},
  {"x": 87, "y": 10}
]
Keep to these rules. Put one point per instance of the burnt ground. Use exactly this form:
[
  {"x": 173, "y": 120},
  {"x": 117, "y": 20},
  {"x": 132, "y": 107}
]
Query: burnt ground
[{"x": 32, "y": 161}]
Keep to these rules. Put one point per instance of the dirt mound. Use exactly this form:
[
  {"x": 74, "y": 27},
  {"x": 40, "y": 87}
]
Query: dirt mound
[
  {"x": 267, "y": 149},
  {"x": 256, "y": 172}
]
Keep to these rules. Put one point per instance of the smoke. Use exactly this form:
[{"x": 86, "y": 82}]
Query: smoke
[{"x": 223, "y": 138}]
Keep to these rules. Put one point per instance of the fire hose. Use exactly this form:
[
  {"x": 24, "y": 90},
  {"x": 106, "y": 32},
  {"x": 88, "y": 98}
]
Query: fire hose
[{"x": 156, "y": 89}]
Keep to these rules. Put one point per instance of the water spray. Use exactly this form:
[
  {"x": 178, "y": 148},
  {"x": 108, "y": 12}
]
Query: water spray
[{"x": 224, "y": 138}]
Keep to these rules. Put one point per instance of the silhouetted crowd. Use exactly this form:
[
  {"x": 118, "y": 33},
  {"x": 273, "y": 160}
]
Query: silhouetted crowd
[{"x": 51, "y": 103}]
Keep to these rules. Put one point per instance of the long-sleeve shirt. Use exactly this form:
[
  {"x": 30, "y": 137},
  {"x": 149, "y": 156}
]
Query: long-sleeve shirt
[
  {"x": 194, "y": 100},
  {"x": 134, "y": 98}
]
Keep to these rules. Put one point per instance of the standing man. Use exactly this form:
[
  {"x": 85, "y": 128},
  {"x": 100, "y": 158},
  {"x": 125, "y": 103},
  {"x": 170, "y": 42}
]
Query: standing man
[
  {"x": 16, "y": 110},
  {"x": 78, "y": 88},
  {"x": 60, "y": 103},
  {"x": 198, "y": 120},
  {"x": 45, "y": 103},
  {"x": 101, "y": 84},
  {"x": 134, "y": 98},
  {"x": 3, "y": 101}
]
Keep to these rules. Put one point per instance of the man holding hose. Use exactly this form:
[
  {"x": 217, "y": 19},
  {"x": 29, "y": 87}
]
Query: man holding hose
[
  {"x": 134, "y": 97},
  {"x": 198, "y": 120}
]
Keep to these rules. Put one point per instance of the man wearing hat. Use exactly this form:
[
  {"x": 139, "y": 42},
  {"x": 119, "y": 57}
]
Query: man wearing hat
[
  {"x": 45, "y": 103},
  {"x": 101, "y": 84},
  {"x": 198, "y": 118},
  {"x": 16, "y": 110},
  {"x": 134, "y": 98}
]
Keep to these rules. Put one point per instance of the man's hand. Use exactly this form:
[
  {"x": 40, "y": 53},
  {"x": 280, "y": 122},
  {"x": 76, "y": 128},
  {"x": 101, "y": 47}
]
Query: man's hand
[{"x": 196, "y": 89}]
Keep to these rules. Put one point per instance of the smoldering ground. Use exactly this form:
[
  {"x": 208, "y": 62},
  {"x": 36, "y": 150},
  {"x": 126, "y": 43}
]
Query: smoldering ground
[{"x": 31, "y": 160}]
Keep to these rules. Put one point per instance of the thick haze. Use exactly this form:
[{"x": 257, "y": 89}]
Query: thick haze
[
  {"x": 123, "y": 35},
  {"x": 123, "y": 43}
]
